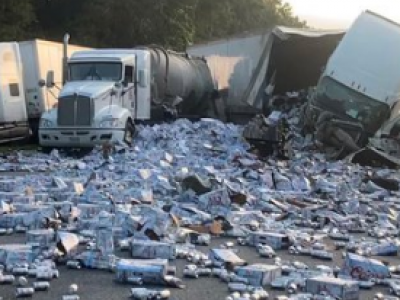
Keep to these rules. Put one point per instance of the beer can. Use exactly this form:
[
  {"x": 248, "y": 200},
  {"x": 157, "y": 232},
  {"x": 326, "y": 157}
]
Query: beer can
[
  {"x": 73, "y": 264},
  {"x": 20, "y": 271},
  {"x": 24, "y": 292},
  {"x": 41, "y": 285},
  {"x": 32, "y": 272},
  {"x": 45, "y": 274},
  {"x": 7, "y": 279},
  {"x": 70, "y": 297},
  {"x": 134, "y": 280}
]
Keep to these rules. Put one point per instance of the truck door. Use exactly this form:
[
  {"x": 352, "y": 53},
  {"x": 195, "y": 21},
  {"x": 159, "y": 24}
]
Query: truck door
[
  {"x": 11, "y": 85},
  {"x": 129, "y": 89}
]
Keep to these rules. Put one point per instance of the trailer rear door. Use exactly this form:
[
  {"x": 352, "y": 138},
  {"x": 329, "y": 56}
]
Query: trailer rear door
[{"x": 12, "y": 100}]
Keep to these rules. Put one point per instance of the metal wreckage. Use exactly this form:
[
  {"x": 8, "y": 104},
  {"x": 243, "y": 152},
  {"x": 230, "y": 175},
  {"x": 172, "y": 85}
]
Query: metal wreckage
[
  {"x": 355, "y": 107},
  {"x": 354, "y": 111}
]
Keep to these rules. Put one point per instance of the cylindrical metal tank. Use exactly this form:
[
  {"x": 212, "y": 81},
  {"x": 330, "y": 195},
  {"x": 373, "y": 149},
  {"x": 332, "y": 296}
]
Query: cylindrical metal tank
[{"x": 177, "y": 74}]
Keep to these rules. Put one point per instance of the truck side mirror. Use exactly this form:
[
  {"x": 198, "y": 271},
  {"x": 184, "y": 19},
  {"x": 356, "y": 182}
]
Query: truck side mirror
[
  {"x": 42, "y": 83},
  {"x": 142, "y": 78},
  {"x": 50, "y": 79},
  {"x": 117, "y": 87}
]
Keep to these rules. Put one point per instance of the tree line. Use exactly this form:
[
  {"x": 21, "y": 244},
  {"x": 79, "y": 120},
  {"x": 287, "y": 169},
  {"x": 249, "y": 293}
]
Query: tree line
[{"x": 128, "y": 23}]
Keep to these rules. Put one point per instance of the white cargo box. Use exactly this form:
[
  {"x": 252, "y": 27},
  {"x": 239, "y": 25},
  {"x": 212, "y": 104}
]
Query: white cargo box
[{"x": 334, "y": 287}]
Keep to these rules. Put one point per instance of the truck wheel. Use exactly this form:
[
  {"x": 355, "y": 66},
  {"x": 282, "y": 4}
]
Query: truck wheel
[{"x": 130, "y": 131}]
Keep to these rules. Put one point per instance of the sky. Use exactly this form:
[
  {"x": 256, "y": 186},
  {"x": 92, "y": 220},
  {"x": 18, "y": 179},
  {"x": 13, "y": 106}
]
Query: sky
[{"x": 339, "y": 14}]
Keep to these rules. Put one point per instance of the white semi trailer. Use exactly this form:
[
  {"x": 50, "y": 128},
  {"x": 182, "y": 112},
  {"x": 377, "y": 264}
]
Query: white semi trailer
[
  {"x": 109, "y": 90},
  {"x": 22, "y": 66}
]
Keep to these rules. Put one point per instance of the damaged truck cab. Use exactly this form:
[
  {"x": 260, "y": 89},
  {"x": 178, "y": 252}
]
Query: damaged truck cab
[{"x": 360, "y": 86}]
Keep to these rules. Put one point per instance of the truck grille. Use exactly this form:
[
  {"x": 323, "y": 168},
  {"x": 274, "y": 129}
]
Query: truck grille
[{"x": 75, "y": 111}]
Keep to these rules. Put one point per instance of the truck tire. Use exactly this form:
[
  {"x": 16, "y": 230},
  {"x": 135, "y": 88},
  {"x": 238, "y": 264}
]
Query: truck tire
[{"x": 130, "y": 131}]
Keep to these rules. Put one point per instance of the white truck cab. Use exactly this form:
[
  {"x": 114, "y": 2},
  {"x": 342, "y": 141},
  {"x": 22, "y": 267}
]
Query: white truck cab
[{"x": 99, "y": 101}]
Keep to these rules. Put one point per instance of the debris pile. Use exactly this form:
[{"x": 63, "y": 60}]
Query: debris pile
[{"x": 183, "y": 186}]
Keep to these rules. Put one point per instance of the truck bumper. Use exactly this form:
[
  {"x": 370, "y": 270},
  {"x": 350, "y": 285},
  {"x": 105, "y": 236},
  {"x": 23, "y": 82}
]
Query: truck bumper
[{"x": 80, "y": 138}]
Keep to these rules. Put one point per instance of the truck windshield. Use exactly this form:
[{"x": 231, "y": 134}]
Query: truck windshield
[
  {"x": 95, "y": 71},
  {"x": 344, "y": 101}
]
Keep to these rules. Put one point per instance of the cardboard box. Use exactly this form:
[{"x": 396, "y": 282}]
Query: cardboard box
[
  {"x": 44, "y": 238},
  {"x": 259, "y": 274},
  {"x": 152, "y": 249},
  {"x": 217, "y": 203},
  {"x": 150, "y": 271},
  {"x": 362, "y": 268},
  {"x": 13, "y": 254},
  {"x": 334, "y": 287}
]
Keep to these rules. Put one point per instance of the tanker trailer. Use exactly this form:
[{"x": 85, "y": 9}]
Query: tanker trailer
[
  {"x": 109, "y": 90},
  {"x": 183, "y": 76}
]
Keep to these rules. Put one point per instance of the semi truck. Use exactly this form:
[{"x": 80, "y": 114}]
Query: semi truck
[
  {"x": 22, "y": 66},
  {"x": 109, "y": 90},
  {"x": 360, "y": 86}
]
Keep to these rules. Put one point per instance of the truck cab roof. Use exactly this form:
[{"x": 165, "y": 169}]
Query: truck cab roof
[{"x": 111, "y": 55}]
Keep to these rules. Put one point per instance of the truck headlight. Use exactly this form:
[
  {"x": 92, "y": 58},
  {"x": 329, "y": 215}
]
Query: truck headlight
[
  {"x": 109, "y": 123},
  {"x": 45, "y": 123}
]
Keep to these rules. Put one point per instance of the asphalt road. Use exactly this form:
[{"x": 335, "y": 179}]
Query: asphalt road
[{"x": 100, "y": 285}]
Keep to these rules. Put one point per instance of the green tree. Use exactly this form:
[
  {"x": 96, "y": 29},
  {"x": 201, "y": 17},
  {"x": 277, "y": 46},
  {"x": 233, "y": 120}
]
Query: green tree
[
  {"x": 56, "y": 17},
  {"x": 127, "y": 23},
  {"x": 16, "y": 18},
  {"x": 216, "y": 19}
]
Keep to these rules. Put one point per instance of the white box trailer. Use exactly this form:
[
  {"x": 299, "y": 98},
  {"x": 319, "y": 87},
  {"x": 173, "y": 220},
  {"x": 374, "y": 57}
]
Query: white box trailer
[
  {"x": 22, "y": 101},
  {"x": 13, "y": 115}
]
